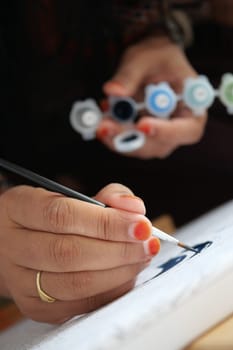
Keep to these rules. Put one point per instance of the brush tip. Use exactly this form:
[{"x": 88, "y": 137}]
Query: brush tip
[{"x": 185, "y": 246}]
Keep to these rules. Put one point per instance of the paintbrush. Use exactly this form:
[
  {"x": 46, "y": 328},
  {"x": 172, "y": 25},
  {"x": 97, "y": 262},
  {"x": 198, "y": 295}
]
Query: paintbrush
[{"x": 68, "y": 192}]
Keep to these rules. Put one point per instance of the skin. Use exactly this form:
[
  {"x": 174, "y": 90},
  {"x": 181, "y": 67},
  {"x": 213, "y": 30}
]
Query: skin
[
  {"x": 85, "y": 262},
  {"x": 152, "y": 61}
]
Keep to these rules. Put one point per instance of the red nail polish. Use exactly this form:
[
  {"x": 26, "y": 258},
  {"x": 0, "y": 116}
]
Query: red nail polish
[
  {"x": 102, "y": 133},
  {"x": 131, "y": 196},
  {"x": 146, "y": 129},
  {"x": 141, "y": 231},
  {"x": 152, "y": 246},
  {"x": 104, "y": 105},
  {"x": 116, "y": 86}
]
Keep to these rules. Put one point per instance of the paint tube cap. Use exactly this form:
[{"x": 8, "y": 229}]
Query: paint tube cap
[
  {"x": 198, "y": 94},
  {"x": 225, "y": 92},
  {"x": 129, "y": 141},
  {"x": 160, "y": 99},
  {"x": 85, "y": 117},
  {"x": 123, "y": 109}
]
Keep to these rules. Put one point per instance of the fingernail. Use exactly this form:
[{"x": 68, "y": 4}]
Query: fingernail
[
  {"x": 102, "y": 133},
  {"x": 147, "y": 130},
  {"x": 152, "y": 246},
  {"x": 140, "y": 231},
  {"x": 133, "y": 203},
  {"x": 116, "y": 86},
  {"x": 104, "y": 105},
  {"x": 131, "y": 196}
]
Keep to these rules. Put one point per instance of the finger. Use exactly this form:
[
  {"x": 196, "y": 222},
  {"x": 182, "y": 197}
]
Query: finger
[
  {"x": 121, "y": 197},
  {"x": 131, "y": 73},
  {"x": 76, "y": 285},
  {"x": 108, "y": 129},
  {"x": 58, "y": 214},
  {"x": 60, "y": 311},
  {"x": 134, "y": 73},
  {"x": 175, "y": 74},
  {"x": 127, "y": 80},
  {"x": 184, "y": 129},
  {"x": 173, "y": 71},
  {"x": 64, "y": 253}
]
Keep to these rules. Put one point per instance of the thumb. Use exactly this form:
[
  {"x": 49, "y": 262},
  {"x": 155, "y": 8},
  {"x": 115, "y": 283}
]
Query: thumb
[
  {"x": 138, "y": 63},
  {"x": 119, "y": 196}
]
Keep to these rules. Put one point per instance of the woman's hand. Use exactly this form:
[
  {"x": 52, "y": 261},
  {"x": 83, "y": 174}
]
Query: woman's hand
[
  {"x": 153, "y": 61},
  {"x": 88, "y": 255}
]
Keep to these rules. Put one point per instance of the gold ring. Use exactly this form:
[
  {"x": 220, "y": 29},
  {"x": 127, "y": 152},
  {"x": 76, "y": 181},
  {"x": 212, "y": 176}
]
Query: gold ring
[{"x": 43, "y": 296}]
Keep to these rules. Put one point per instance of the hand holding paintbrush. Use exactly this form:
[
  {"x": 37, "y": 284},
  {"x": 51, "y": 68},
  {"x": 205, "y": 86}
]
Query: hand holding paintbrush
[
  {"x": 53, "y": 186},
  {"x": 62, "y": 256}
]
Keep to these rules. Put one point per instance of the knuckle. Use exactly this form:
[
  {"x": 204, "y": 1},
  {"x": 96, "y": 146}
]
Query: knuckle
[
  {"x": 64, "y": 251},
  {"x": 103, "y": 226},
  {"x": 126, "y": 251},
  {"x": 80, "y": 284},
  {"x": 58, "y": 214}
]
